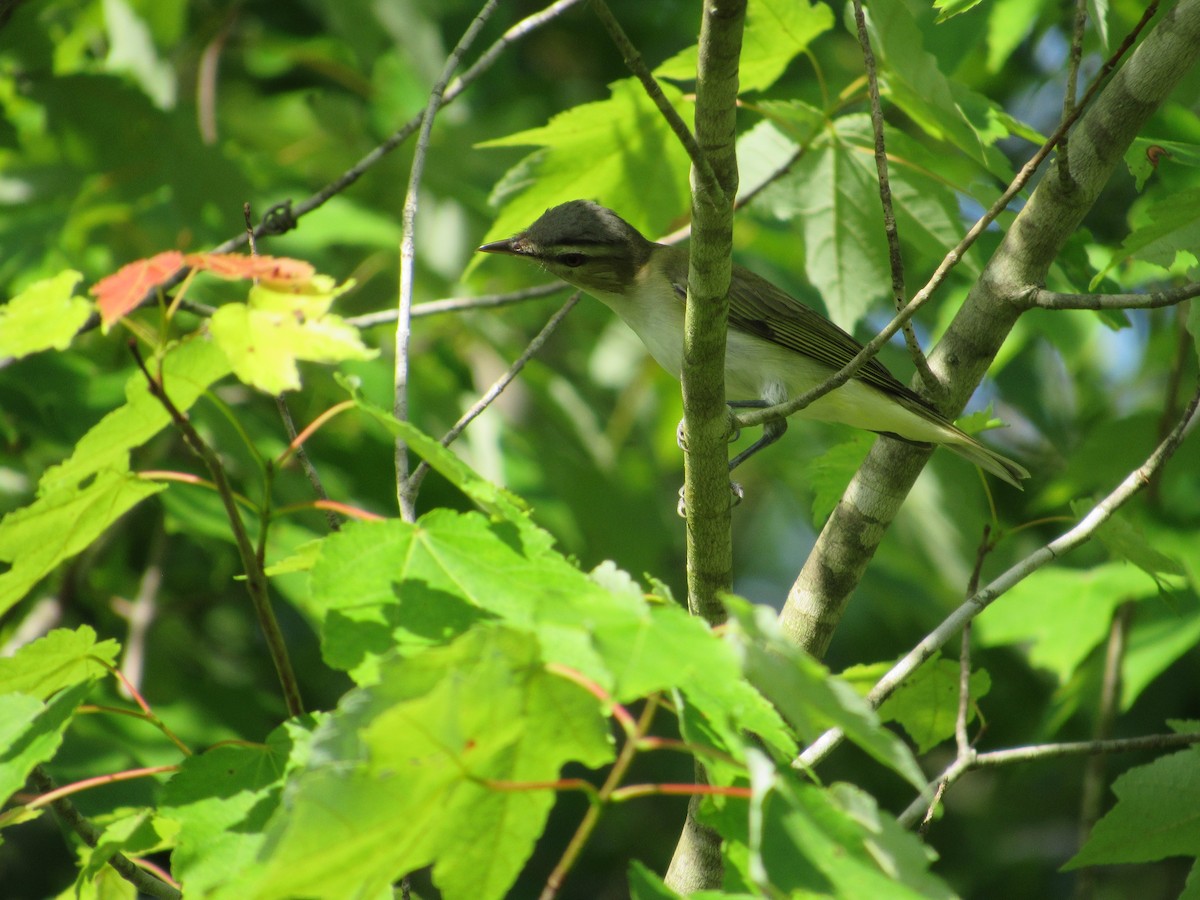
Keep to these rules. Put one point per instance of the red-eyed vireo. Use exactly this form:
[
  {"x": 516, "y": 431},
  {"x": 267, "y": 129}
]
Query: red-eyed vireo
[{"x": 776, "y": 347}]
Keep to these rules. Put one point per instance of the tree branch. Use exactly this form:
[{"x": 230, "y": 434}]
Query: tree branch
[
  {"x": 494, "y": 391},
  {"x": 458, "y": 304},
  {"x": 256, "y": 579},
  {"x": 980, "y": 600},
  {"x": 895, "y": 259},
  {"x": 1105, "y": 129},
  {"x": 406, "y": 490},
  {"x": 702, "y": 167},
  {"x": 90, "y": 834},
  {"x": 696, "y": 864},
  {"x": 1037, "y": 752},
  {"x": 1040, "y": 298}
]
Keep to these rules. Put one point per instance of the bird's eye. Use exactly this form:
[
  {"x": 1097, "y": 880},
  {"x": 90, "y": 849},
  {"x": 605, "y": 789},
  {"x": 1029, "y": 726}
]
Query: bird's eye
[{"x": 572, "y": 260}]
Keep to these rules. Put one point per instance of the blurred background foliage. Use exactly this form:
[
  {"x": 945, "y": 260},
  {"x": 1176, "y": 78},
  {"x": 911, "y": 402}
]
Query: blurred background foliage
[{"x": 128, "y": 127}]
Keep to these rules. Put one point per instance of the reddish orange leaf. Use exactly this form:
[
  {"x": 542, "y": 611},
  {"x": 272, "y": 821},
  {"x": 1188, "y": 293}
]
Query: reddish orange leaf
[
  {"x": 232, "y": 266},
  {"x": 119, "y": 294}
]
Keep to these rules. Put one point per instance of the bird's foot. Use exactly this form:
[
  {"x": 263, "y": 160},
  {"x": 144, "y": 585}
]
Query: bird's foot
[
  {"x": 735, "y": 489},
  {"x": 681, "y": 432}
]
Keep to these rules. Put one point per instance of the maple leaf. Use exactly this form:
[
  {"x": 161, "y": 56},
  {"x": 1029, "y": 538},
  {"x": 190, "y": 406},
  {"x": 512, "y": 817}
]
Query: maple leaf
[
  {"x": 234, "y": 266},
  {"x": 119, "y": 294}
]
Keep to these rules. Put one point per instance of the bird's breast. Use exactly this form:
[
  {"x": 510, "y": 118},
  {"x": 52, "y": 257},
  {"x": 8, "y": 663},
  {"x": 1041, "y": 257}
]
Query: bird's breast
[{"x": 656, "y": 317}]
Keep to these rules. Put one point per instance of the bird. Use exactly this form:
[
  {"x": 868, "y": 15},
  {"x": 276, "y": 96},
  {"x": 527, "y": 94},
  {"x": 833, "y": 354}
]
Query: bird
[{"x": 776, "y": 346}]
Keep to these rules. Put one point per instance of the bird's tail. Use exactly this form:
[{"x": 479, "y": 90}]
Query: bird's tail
[{"x": 987, "y": 459}]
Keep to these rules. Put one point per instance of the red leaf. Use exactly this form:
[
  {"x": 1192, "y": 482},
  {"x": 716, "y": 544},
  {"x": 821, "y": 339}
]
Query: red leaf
[
  {"x": 232, "y": 266},
  {"x": 119, "y": 293}
]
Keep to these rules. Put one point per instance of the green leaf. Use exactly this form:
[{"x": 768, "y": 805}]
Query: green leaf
[
  {"x": 618, "y": 151},
  {"x": 948, "y": 9},
  {"x": 1145, "y": 155},
  {"x": 832, "y": 193},
  {"x": 1171, "y": 235},
  {"x": 945, "y": 109},
  {"x": 379, "y": 585},
  {"x": 30, "y": 733},
  {"x": 800, "y": 840},
  {"x": 776, "y": 32},
  {"x": 1010, "y": 22},
  {"x": 1124, "y": 540},
  {"x": 222, "y": 800},
  {"x": 265, "y": 337},
  {"x": 63, "y": 658},
  {"x": 43, "y": 316},
  {"x": 1161, "y": 634},
  {"x": 925, "y": 187},
  {"x": 810, "y": 698},
  {"x": 138, "y": 833},
  {"x": 830, "y": 473},
  {"x": 491, "y": 498},
  {"x": 1063, "y": 613},
  {"x": 188, "y": 368},
  {"x": 926, "y": 704},
  {"x": 406, "y": 763},
  {"x": 766, "y": 149},
  {"x": 56, "y": 526},
  {"x": 1157, "y": 815},
  {"x": 834, "y": 198}
]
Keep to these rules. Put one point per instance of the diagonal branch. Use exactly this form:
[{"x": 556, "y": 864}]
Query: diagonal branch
[
  {"x": 1032, "y": 243},
  {"x": 284, "y": 216},
  {"x": 964, "y": 764},
  {"x": 495, "y": 390},
  {"x": 895, "y": 259},
  {"x": 702, "y": 170},
  {"x": 981, "y": 599},
  {"x": 70, "y": 815},
  {"x": 925, "y": 294}
]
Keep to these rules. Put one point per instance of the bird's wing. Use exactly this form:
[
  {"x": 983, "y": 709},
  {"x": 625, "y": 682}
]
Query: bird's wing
[{"x": 759, "y": 307}]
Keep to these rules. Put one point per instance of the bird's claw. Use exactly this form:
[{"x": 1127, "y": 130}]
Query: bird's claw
[
  {"x": 734, "y": 488},
  {"x": 681, "y": 434}
]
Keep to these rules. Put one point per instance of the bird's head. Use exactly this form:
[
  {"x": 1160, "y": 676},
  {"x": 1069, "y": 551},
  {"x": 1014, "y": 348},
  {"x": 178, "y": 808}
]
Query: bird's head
[{"x": 582, "y": 243}]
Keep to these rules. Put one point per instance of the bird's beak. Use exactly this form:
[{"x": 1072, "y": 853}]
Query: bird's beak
[{"x": 508, "y": 245}]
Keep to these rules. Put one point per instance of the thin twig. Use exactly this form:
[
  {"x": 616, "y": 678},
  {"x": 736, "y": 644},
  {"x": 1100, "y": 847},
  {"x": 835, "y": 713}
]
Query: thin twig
[
  {"x": 494, "y": 391},
  {"x": 256, "y": 579},
  {"x": 1039, "y": 752},
  {"x": 980, "y": 600},
  {"x": 890, "y": 230},
  {"x": 458, "y": 304},
  {"x": 287, "y": 214},
  {"x": 590, "y": 819},
  {"x": 781, "y": 411},
  {"x": 1095, "y": 782},
  {"x": 1040, "y": 298},
  {"x": 90, "y": 834},
  {"x": 406, "y": 492},
  {"x": 1073, "y": 60},
  {"x": 707, "y": 183}
]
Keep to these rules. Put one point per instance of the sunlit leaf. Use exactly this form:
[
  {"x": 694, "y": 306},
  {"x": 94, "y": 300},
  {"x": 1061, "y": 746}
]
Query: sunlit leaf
[
  {"x": 60, "y": 659},
  {"x": 45, "y": 315},
  {"x": 120, "y": 293}
]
